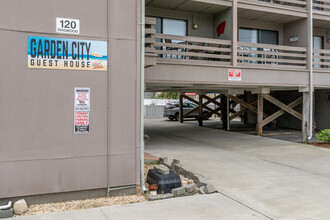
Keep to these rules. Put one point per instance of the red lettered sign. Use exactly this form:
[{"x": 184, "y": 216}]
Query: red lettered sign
[
  {"x": 234, "y": 75},
  {"x": 81, "y": 122}
]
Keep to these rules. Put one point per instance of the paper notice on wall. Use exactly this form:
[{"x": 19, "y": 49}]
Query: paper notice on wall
[
  {"x": 81, "y": 122},
  {"x": 82, "y": 99},
  {"x": 234, "y": 75}
]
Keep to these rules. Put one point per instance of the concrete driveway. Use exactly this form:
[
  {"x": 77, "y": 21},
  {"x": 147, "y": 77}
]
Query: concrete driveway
[{"x": 280, "y": 179}]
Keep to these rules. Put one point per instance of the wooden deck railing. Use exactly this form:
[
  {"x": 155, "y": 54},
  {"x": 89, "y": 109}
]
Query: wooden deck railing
[
  {"x": 321, "y": 5},
  {"x": 193, "y": 48},
  {"x": 321, "y": 59},
  {"x": 271, "y": 55},
  {"x": 150, "y": 35},
  {"x": 292, "y": 4}
]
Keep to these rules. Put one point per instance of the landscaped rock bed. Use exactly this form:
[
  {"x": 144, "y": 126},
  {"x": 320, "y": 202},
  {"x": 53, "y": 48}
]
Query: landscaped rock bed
[
  {"x": 191, "y": 183},
  {"x": 84, "y": 204}
]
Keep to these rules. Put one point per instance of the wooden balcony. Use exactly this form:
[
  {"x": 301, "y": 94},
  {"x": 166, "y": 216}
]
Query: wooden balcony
[
  {"x": 203, "y": 60},
  {"x": 321, "y": 9}
]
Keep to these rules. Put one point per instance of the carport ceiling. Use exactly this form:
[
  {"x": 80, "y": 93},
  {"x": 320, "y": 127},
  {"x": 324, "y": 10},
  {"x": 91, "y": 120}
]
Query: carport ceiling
[
  {"x": 321, "y": 24},
  {"x": 186, "y": 5},
  {"x": 254, "y": 15}
]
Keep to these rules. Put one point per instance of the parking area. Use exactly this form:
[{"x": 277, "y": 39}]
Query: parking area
[{"x": 278, "y": 178}]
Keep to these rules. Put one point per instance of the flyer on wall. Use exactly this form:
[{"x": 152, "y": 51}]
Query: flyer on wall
[{"x": 82, "y": 99}]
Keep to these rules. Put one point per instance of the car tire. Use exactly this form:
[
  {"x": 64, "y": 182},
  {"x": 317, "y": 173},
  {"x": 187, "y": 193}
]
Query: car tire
[
  {"x": 171, "y": 118},
  {"x": 176, "y": 116}
]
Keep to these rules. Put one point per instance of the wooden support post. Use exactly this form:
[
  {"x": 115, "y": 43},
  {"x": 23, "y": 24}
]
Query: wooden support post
[
  {"x": 181, "y": 108},
  {"x": 200, "y": 110},
  {"x": 305, "y": 117},
  {"x": 224, "y": 112},
  {"x": 245, "y": 117},
  {"x": 227, "y": 115},
  {"x": 234, "y": 32},
  {"x": 260, "y": 114}
]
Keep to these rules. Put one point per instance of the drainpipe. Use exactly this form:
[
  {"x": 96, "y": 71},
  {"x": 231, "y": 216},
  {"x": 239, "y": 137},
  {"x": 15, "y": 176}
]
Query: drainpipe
[
  {"x": 311, "y": 46},
  {"x": 143, "y": 187},
  {"x": 6, "y": 206}
]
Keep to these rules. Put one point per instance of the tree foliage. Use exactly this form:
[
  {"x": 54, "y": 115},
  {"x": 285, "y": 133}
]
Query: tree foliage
[{"x": 168, "y": 95}]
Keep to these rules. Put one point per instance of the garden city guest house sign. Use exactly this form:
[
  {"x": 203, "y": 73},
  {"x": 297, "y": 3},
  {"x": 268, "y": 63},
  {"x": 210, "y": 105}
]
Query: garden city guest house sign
[{"x": 70, "y": 54}]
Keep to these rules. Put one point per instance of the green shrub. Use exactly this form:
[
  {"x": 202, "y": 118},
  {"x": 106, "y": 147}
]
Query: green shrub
[{"x": 324, "y": 135}]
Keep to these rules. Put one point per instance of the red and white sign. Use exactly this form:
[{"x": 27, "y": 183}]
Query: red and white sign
[
  {"x": 81, "y": 122},
  {"x": 234, "y": 75}
]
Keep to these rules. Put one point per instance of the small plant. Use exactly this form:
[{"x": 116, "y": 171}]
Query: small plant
[{"x": 323, "y": 135}]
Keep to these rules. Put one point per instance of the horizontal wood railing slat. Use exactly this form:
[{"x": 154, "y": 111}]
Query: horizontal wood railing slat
[
  {"x": 194, "y": 47},
  {"x": 194, "y": 39},
  {"x": 271, "y": 46},
  {"x": 192, "y": 54}
]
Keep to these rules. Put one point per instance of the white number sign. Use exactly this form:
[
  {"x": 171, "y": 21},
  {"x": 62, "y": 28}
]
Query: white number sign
[{"x": 67, "y": 26}]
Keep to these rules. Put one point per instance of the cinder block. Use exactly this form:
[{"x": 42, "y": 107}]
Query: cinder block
[
  {"x": 162, "y": 169},
  {"x": 199, "y": 180},
  {"x": 202, "y": 190},
  {"x": 163, "y": 160},
  {"x": 6, "y": 213},
  {"x": 167, "y": 196},
  {"x": 178, "y": 191},
  {"x": 176, "y": 161},
  {"x": 190, "y": 188},
  {"x": 154, "y": 198},
  {"x": 209, "y": 188},
  {"x": 189, "y": 193}
]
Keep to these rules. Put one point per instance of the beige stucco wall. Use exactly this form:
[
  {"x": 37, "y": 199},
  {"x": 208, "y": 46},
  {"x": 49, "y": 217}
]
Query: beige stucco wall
[{"x": 39, "y": 152}]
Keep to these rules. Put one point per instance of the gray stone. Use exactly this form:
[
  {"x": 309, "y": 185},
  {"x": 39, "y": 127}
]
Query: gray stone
[
  {"x": 201, "y": 190},
  {"x": 209, "y": 188},
  {"x": 167, "y": 196},
  {"x": 189, "y": 193},
  {"x": 163, "y": 160},
  {"x": 177, "y": 168},
  {"x": 178, "y": 191},
  {"x": 20, "y": 207},
  {"x": 162, "y": 169},
  {"x": 154, "y": 198},
  {"x": 190, "y": 188},
  {"x": 199, "y": 180},
  {"x": 8, "y": 213},
  {"x": 167, "y": 164},
  {"x": 176, "y": 161}
]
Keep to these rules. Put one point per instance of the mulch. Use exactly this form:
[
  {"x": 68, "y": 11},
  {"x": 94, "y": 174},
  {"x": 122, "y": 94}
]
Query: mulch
[{"x": 324, "y": 145}]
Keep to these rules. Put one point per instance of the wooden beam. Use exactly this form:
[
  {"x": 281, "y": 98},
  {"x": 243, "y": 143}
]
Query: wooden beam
[
  {"x": 224, "y": 112},
  {"x": 212, "y": 100},
  {"x": 181, "y": 108},
  {"x": 241, "y": 112},
  {"x": 260, "y": 114},
  {"x": 190, "y": 111},
  {"x": 191, "y": 99},
  {"x": 244, "y": 104},
  {"x": 214, "y": 111},
  {"x": 200, "y": 107},
  {"x": 282, "y": 106},
  {"x": 305, "y": 119},
  {"x": 280, "y": 112}
]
